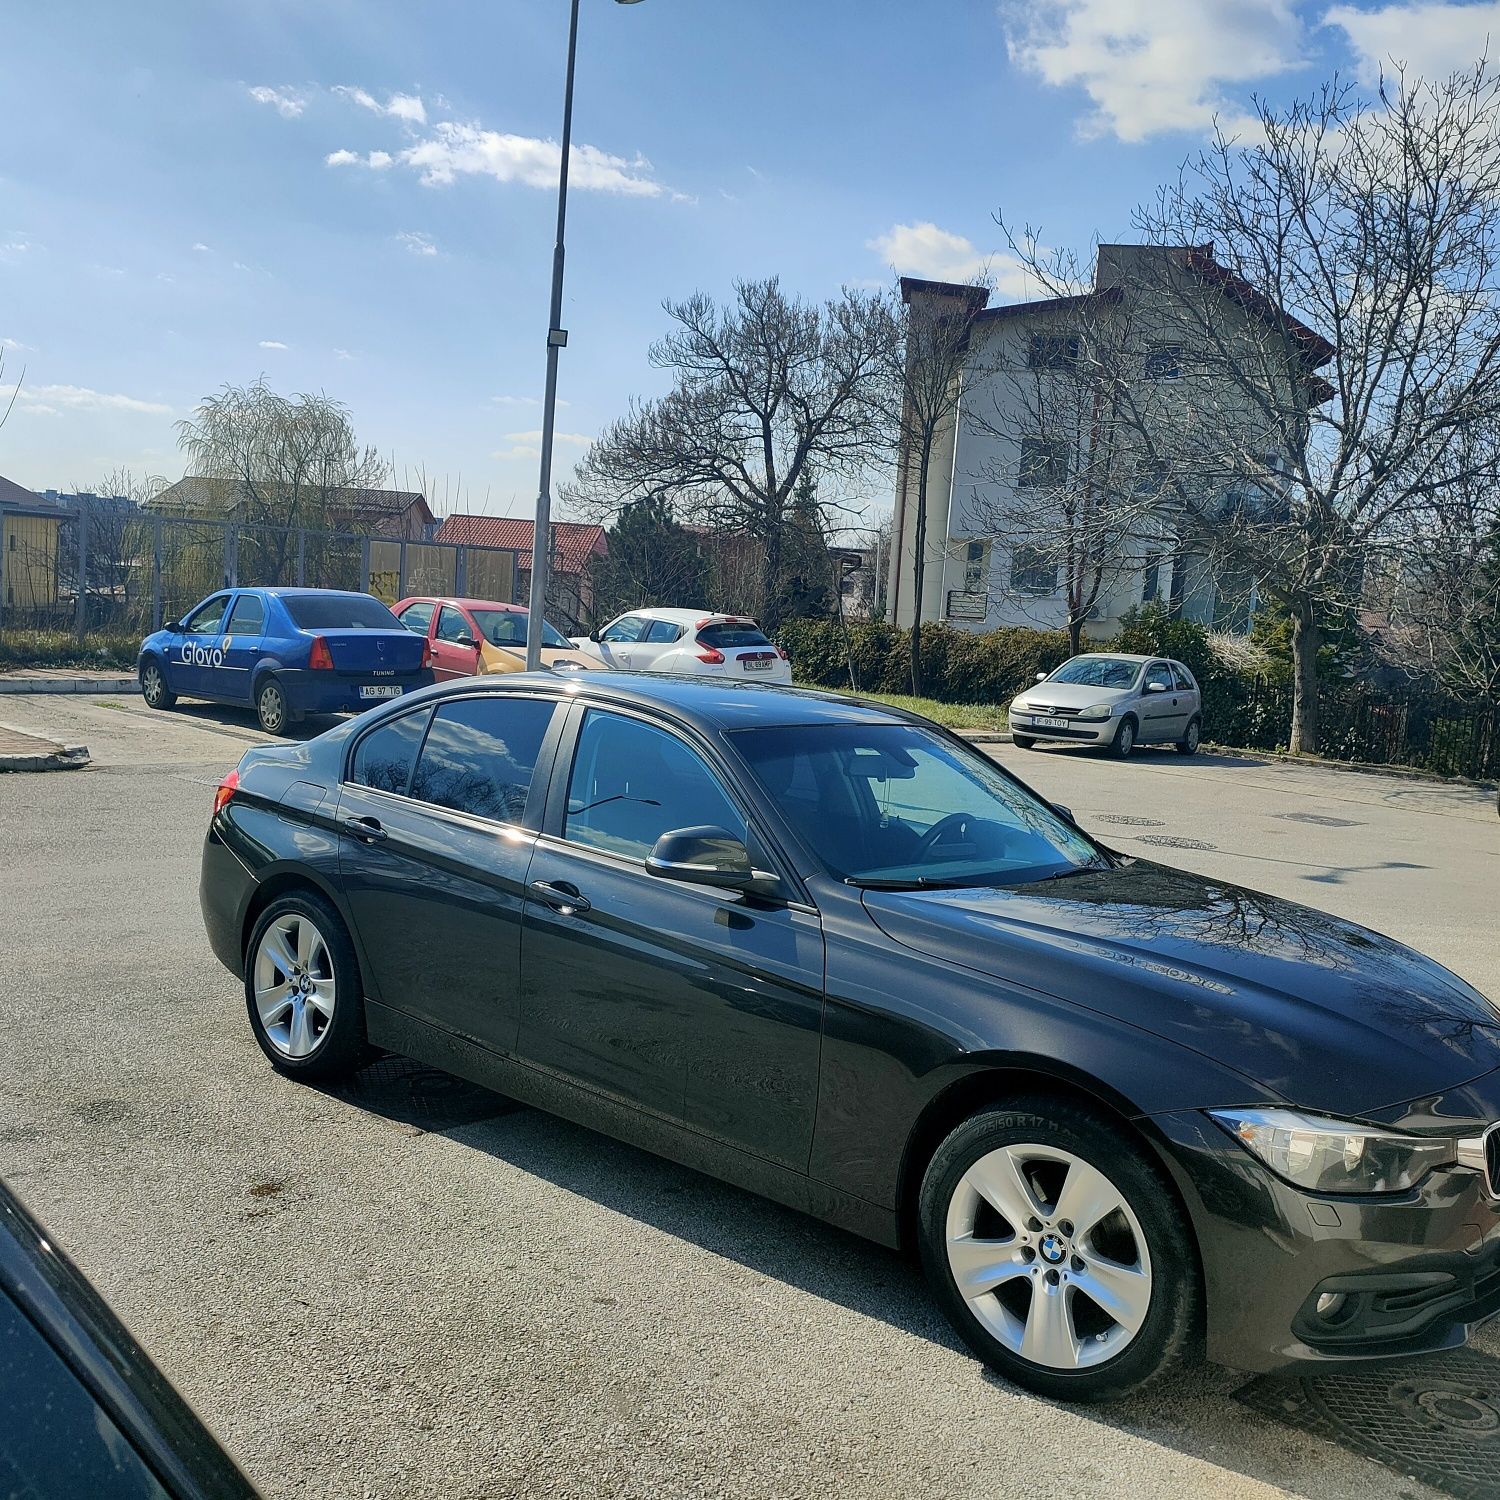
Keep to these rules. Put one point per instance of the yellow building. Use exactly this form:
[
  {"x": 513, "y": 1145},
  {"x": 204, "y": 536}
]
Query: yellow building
[{"x": 30, "y": 528}]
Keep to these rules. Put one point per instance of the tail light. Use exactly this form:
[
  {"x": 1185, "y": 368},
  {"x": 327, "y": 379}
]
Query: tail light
[
  {"x": 782, "y": 654},
  {"x": 708, "y": 654},
  {"x": 225, "y": 790},
  {"x": 321, "y": 659}
]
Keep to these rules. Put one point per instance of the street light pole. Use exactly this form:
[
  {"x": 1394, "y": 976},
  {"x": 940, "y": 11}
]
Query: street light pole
[{"x": 557, "y": 338}]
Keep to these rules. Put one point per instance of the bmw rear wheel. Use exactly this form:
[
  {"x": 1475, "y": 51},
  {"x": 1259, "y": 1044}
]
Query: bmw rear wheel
[
  {"x": 1059, "y": 1252},
  {"x": 302, "y": 989},
  {"x": 270, "y": 707},
  {"x": 154, "y": 687}
]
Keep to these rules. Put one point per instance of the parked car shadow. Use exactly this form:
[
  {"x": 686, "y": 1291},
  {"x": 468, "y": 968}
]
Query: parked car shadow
[
  {"x": 228, "y": 716},
  {"x": 1149, "y": 755},
  {"x": 1192, "y": 1414}
]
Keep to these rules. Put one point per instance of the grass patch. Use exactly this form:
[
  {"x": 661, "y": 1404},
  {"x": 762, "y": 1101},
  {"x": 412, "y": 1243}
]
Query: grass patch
[
  {"x": 950, "y": 715},
  {"x": 113, "y": 651}
]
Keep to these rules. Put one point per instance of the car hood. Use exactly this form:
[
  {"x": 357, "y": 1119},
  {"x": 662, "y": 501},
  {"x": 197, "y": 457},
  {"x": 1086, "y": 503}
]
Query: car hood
[
  {"x": 1330, "y": 1016},
  {"x": 1067, "y": 695}
]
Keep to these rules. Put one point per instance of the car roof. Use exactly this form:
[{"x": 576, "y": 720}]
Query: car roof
[
  {"x": 1118, "y": 656},
  {"x": 464, "y": 602},
  {"x": 690, "y": 616},
  {"x": 297, "y": 593},
  {"x": 707, "y": 702}
]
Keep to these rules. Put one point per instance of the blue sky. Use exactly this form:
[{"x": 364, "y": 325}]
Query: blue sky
[{"x": 357, "y": 196}]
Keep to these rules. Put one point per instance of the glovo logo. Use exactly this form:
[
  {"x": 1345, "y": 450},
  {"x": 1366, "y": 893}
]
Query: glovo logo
[{"x": 195, "y": 655}]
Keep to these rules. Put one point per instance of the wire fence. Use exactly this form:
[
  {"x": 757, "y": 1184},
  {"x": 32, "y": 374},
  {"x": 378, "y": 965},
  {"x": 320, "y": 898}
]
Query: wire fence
[{"x": 119, "y": 569}]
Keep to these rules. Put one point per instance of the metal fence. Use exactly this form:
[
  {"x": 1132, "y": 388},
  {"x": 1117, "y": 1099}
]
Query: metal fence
[{"x": 104, "y": 568}]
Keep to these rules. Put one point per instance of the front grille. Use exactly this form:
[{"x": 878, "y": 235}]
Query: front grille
[
  {"x": 1053, "y": 713},
  {"x": 1492, "y": 1159}
]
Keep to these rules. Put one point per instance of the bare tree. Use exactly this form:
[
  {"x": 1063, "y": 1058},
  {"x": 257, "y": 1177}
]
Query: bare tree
[
  {"x": 281, "y": 459},
  {"x": 1333, "y": 296},
  {"x": 1056, "y": 477},
  {"x": 927, "y": 378},
  {"x": 762, "y": 388}
]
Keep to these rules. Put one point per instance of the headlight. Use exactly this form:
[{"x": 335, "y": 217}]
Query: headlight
[
  {"x": 1098, "y": 711},
  {"x": 1334, "y": 1156}
]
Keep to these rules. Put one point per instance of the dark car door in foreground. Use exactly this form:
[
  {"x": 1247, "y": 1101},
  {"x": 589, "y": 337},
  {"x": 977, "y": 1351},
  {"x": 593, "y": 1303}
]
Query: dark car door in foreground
[
  {"x": 680, "y": 998},
  {"x": 433, "y": 855}
]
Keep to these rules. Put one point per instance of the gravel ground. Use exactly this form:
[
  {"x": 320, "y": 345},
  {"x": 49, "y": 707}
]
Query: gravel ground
[{"x": 518, "y": 1306}]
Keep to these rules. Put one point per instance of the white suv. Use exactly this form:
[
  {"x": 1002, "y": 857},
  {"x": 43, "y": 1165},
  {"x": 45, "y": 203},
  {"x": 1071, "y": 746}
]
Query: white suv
[{"x": 692, "y": 641}]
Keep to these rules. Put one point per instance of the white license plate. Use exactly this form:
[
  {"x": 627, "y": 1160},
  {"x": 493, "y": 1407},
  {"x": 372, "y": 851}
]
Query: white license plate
[
  {"x": 380, "y": 692},
  {"x": 753, "y": 665},
  {"x": 1050, "y": 723}
]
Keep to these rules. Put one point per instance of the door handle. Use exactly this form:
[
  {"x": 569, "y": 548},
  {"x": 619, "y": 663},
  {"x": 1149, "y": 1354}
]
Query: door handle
[
  {"x": 368, "y": 829},
  {"x": 561, "y": 895}
]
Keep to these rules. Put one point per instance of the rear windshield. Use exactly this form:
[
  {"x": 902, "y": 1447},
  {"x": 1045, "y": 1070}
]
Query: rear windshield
[
  {"x": 339, "y": 612},
  {"x": 721, "y": 636}
]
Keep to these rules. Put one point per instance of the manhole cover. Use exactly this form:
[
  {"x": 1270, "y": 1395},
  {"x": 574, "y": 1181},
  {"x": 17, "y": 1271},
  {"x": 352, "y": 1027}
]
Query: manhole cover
[
  {"x": 1128, "y": 820},
  {"x": 1171, "y": 841},
  {"x": 1321, "y": 819},
  {"x": 1437, "y": 1420},
  {"x": 415, "y": 1094}
]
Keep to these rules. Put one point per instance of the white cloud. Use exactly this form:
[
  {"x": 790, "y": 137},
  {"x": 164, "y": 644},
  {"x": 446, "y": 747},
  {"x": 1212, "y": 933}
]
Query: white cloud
[
  {"x": 454, "y": 150},
  {"x": 417, "y": 242},
  {"x": 17, "y": 346},
  {"x": 200, "y": 247},
  {"x": 272, "y": 344},
  {"x": 342, "y": 354},
  {"x": 16, "y": 244},
  {"x": 407, "y": 107},
  {"x": 521, "y": 450},
  {"x": 525, "y": 401},
  {"x": 342, "y": 159},
  {"x": 288, "y": 103},
  {"x": 1153, "y": 66},
  {"x": 572, "y": 439},
  {"x": 925, "y": 250},
  {"x": 379, "y": 160},
  {"x": 81, "y": 398},
  {"x": 1432, "y": 38}
]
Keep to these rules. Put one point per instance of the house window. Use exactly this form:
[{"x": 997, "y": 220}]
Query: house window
[
  {"x": 1055, "y": 351},
  {"x": 1164, "y": 362},
  {"x": 1044, "y": 463},
  {"x": 1032, "y": 572},
  {"x": 1151, "y": 578},
  {"x": 976, "y": 566}
]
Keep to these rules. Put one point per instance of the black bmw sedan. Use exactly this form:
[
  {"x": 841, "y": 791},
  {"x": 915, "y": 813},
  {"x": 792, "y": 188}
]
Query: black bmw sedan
[{"x": 827, "y": 951}]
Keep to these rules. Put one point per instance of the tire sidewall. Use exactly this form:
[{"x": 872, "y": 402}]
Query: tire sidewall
[
  {"x": 269, "y": 685},
  {"x": 1023, "y": 741},
  {"x": 1188, "y": 744},
  {"x": 165, "y": 696},
  {"x": 1119, "y": 749},
  {"x": 342, "y": 1047},
  {"x": 1170, "y": 1332}
]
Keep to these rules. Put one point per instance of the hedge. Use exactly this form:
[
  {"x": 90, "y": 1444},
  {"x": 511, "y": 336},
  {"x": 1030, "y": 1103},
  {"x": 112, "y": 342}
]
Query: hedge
[{"x": 107, "y": 650}]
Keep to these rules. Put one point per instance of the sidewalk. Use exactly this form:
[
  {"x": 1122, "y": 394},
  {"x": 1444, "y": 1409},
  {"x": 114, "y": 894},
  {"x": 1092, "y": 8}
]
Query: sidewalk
[
  {"x": 30, "y": 752},
  {"x": 66, "y": 680}
]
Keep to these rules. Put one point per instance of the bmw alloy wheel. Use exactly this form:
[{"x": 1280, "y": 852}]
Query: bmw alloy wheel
[
  {"x": 1049, "y": 1257},
  {"x": 294, "y": 985}
]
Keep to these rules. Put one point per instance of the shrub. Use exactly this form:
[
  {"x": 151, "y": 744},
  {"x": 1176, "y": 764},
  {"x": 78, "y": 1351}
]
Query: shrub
[{"x": 110, "y": 650}]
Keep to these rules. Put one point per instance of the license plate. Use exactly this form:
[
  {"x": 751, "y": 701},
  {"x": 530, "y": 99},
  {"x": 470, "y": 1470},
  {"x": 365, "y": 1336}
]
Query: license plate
[
  {"x": 752, "y": 664},
  {"x": 1050, "y": 723},
  {"x": 380, "y": 692}
]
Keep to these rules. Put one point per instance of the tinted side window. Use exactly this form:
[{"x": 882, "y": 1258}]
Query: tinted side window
[
  {"x": 631, "y": 783},
  {"x": 1158, "y": 672},
  {"x": 451, "y": 624},
  {"x": 59, "y": 1443},
  {"x": 628, "y": 629},
  {"x": 480, "y": 754},
  {"x": 661, "y": 632},
  {"x": 383, "y": 758},
  {"x": 205, "y": 621},
  {"x": 417, "y": 618},
  {"x": 248, "y": 617},
  {"x": 1181, "y": 678}
]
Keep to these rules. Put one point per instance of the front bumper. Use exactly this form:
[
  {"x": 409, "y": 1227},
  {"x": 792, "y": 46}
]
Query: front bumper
[
  {"x": 1405, "y": 1274},
  {"x": 1078, "y": 732},
  {"x": 309, "y": 692}
]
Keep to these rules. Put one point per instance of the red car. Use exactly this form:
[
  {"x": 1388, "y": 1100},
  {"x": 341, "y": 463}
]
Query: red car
[{"x": 475, "y": 637}]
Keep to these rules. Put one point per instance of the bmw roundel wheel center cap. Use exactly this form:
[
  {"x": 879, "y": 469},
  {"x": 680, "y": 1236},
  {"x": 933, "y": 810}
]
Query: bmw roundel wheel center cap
[{"x": 1052, "y": 1248}]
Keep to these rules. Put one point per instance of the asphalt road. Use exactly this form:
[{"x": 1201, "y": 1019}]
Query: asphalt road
[{"x": 518, "y": 1307}]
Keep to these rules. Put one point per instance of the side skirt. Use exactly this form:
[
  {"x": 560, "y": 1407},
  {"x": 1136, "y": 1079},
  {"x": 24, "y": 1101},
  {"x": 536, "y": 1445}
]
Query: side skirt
[{"x": 398, "y": 1032}]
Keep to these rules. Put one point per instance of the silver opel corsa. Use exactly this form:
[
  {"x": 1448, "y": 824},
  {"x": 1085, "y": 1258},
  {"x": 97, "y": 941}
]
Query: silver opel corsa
[{"x": 1111, "y": 699}]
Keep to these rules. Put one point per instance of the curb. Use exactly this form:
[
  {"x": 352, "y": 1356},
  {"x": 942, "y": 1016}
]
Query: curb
[
  {"x": 985, "y": 736},
  {"x": 68, "y": 685},
  {"x": 63, "y": 758}
]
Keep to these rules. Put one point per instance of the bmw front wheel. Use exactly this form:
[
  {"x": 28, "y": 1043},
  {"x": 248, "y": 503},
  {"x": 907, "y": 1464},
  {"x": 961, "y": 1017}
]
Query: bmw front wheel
[{"x": 1059, "y": 1252}]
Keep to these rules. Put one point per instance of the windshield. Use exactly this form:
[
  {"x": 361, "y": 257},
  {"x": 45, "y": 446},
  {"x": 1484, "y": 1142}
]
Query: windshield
[
  {"x": 1098, "y": 671},
  {"x": 895, "y": 805},
  {"x": 507, "y": 627},
  {"x": 339, "y": 612}
]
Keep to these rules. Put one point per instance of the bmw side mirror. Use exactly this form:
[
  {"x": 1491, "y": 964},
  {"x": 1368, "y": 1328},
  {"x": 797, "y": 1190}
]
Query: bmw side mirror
[{"x": 703, "y": 855}]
